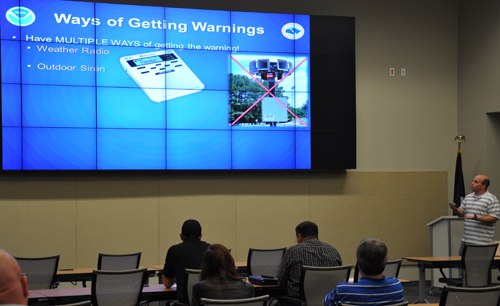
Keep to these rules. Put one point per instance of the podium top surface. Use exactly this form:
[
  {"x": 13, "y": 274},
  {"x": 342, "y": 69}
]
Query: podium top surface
[{"x": 442, "y": 218}]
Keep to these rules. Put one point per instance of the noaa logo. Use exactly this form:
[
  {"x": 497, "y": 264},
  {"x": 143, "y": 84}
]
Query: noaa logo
[
  {"x": 292, "y": 30},
  {"x": 20, "y": 16}
]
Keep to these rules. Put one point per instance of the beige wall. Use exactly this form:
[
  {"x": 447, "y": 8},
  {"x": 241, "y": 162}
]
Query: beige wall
[
  {"x": 479, "y": 90},
  {"x": 80, "y": 215},
  {"x": 405, "y": 156}
]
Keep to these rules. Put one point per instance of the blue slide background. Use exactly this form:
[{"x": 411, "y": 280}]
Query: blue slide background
[{"x": 67, "y": 103}]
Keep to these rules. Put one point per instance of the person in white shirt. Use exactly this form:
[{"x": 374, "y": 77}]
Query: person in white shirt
[
  {"x": 481, "y": 211},
  {"x": 13, "y": 285}
]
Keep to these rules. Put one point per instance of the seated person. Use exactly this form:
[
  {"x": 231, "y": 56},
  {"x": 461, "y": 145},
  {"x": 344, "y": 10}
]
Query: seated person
[
  {"x": 219, "y": 278},
  {"x": 373, "y": 288},
  {"x": 309, "y": 251},
  {"x": 182, "y": 256},
  {"x": 13, "y": 284}
]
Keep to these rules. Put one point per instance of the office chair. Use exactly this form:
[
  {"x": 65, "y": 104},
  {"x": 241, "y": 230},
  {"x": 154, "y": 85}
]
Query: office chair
[
  {"x": 191, "y": 278},
  {"x": 117, "y": 288},
  {"x": 255, "y": 301},
  {"x": 264, "y": 261},
  {"x": 475, "y": 264},
  {"x": 118, "y": 261},
  {"x": 317, "y": 282},
  {"x": 391, "y": 270},
  {"x": 40, "y": 271},
  {"x": 462, "y": 296}
]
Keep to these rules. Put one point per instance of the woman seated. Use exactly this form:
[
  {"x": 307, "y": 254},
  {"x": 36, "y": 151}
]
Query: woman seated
[{"x": 219, "y": 278}]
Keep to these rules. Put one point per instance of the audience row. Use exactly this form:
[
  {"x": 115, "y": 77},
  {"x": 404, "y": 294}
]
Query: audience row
[{"x": 219, "y": 278}]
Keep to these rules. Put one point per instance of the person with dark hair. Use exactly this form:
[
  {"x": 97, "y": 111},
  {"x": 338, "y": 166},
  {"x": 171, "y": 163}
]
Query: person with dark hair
[
  {"x": 219, "y": 278},
  {"x": 185, "y": 255},
  {"x": 13, "y": 284},
  {"x": 309, "y": 251},
  {"x": 481, "y": 211},
  {"x": 373, "y": 288}
]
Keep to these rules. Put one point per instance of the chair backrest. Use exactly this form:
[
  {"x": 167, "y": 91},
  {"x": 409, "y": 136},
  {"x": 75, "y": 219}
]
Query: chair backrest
[
  {"x": 255, "y": 301},
  {"x": 118, "y": 261},
  {"x": 476, "y": 263},
  {"x": 463, "y": 296},
  {"x": 190, "y": 279},
  {"x": 317, "y": 282},
  {"x": 40, "y": 271},
  {"x": 117, "y": 288},
  {"x": 391, "y": 270},
  {"x": 264, "y": 261}
]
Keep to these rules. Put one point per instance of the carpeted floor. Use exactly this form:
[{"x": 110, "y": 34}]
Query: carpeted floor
[{"x": 411, "y": 292}]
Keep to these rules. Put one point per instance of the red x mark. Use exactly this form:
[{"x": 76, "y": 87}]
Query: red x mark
[{"x": 268, "y": 91}]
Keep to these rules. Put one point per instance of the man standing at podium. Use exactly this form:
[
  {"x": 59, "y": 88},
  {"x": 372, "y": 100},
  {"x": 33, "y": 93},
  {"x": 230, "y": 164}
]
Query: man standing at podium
[{"x": 481, "y": 211}]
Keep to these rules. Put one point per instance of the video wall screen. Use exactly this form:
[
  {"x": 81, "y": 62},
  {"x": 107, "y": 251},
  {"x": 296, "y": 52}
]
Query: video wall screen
[{"x": 100, "y": 86}]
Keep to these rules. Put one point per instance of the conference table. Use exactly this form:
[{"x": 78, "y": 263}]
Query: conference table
[
  {"x": 238, "y": 264},
  {"x": 434, "y": 263},
  {"x": 150, "y": 292},
  {"x": 85, "y": 274},
  {"x": 272, "y": 290},
  {"x": 159, "y": 268},
  {"x": 64, "y": 295},
  {"x": 33, "y": 295},
  {"x": 156, "y": 292},
  {"x": 431, "y": 263}
]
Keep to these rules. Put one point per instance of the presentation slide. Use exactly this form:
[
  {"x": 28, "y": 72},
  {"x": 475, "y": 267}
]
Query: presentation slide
[{"x": 91, "y": 86}]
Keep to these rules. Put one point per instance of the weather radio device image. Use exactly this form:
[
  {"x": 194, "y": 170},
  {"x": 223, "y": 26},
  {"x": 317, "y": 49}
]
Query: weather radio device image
[
  {"x": 162, "y": 75},
  {"x": 272, "y": 111}
]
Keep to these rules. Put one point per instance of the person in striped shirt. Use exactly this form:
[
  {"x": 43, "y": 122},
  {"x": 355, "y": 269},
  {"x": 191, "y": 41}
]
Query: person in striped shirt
[
  {"x": 481, "y": 211},
  {"x": 373, "y": 288}
]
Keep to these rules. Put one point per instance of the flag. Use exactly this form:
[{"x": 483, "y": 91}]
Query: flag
[{"x": 459, "y": 187}]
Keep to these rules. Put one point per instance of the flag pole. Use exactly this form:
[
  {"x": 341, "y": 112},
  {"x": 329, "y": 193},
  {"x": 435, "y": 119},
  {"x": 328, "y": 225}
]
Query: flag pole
[{"x": 459, "y": 186}]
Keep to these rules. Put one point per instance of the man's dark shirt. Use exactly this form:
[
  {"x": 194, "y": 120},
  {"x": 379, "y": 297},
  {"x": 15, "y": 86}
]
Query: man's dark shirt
[{"x": 185, "y": 255}]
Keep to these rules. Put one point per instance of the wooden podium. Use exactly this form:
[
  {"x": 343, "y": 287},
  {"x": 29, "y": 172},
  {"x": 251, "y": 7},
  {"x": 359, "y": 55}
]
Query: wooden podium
[{"x": 446, "y": 236}]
